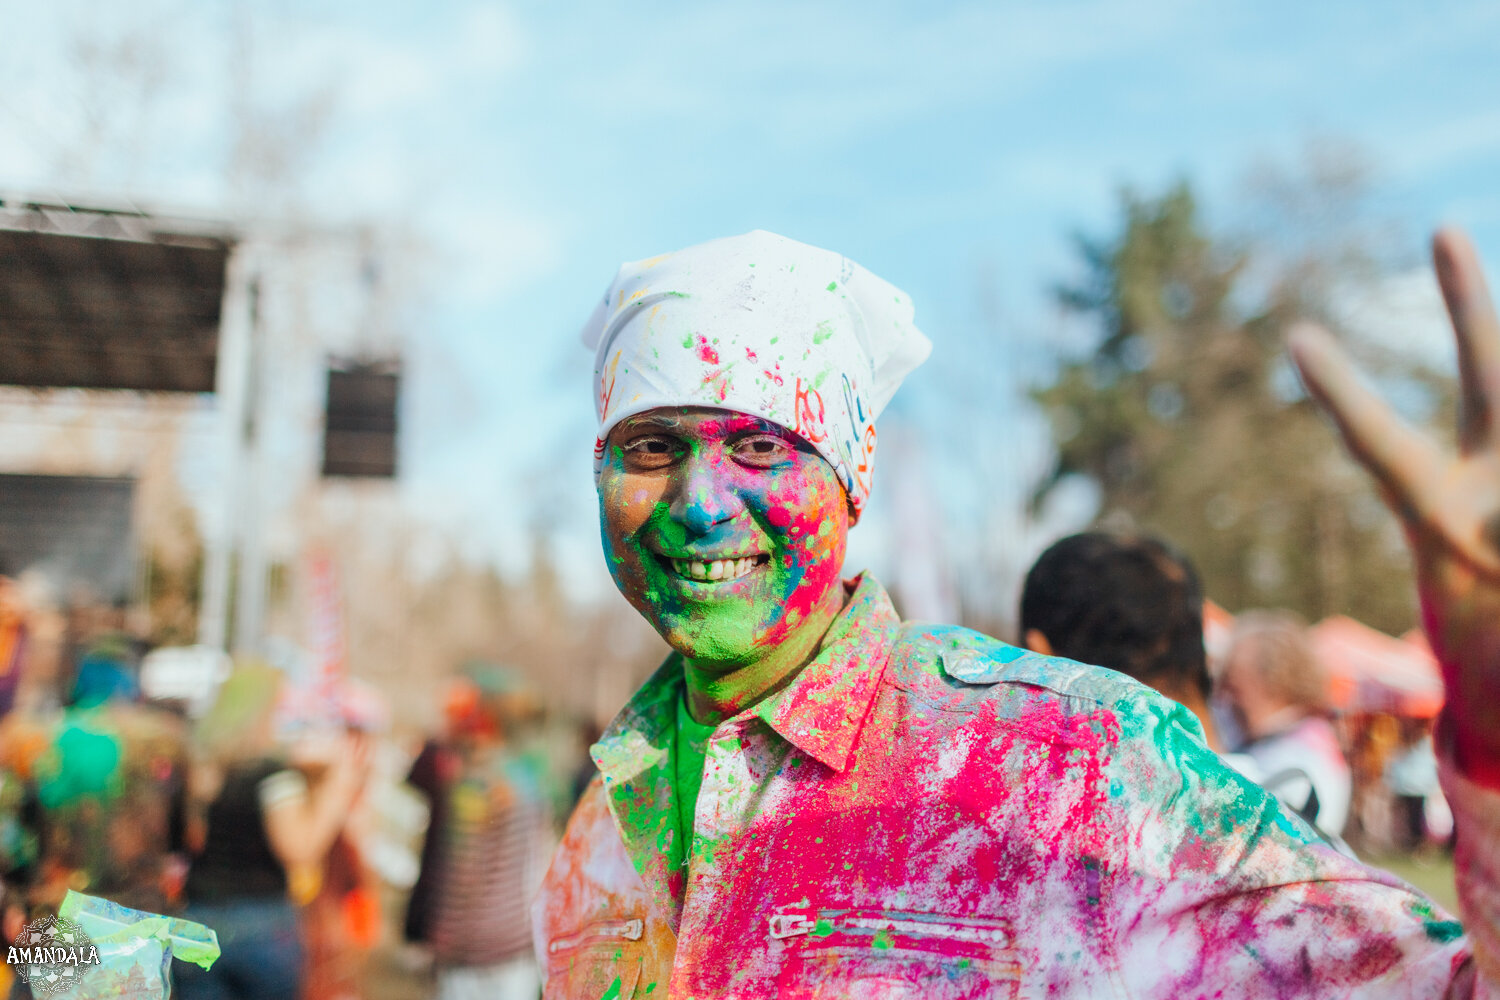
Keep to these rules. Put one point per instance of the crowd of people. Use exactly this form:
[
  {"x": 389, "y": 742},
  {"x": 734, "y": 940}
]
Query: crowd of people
[{"x": 234, "y": 811}]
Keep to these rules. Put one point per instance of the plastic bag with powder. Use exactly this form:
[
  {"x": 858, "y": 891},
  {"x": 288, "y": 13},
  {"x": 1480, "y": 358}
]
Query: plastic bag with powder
[{"x": 136, "y": 948}]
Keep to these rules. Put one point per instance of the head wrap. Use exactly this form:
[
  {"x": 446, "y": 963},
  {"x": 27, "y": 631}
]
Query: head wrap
[{"x": 762, "y": 325}]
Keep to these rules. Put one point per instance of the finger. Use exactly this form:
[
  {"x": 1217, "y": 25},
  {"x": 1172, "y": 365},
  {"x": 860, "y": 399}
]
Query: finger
[
  {"x": 1404, "y": 462},
  {"x": 1478, "y": 333}
]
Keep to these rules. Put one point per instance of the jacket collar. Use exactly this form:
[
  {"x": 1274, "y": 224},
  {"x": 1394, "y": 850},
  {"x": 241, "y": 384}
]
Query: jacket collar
[
  {"x": 820, "y": 713},
  {"x": 634, "y": 756}
]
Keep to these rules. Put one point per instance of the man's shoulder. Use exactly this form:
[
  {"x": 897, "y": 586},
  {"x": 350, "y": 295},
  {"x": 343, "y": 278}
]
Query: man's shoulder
[
  {"x": 971, "y": 678},
  {"x": 948, "y": 660}
]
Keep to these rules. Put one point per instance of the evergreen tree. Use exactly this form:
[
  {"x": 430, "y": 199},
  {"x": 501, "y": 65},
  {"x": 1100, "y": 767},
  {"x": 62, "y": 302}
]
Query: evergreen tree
[{"x": 1187, "y": 416}]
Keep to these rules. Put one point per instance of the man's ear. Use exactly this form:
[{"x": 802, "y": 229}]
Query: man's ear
[{"x": 1035, "y": 641}]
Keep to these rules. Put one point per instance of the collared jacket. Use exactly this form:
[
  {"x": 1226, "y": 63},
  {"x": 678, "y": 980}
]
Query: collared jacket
[{"x": 928, "y": 812}]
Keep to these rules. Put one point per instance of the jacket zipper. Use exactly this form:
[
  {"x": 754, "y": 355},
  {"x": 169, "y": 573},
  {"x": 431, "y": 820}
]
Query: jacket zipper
[
  {"x": 792, "y": 924},
  {"x": 604, "y": 930}
]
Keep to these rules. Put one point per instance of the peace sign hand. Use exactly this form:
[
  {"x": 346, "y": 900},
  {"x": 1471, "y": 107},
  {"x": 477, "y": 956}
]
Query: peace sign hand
[{"x": 1449, "y": 504}]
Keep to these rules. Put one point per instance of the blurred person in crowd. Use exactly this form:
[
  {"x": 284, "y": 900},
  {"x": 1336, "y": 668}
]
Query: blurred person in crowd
[
  {"x": 258, "y": 835},
  {"x": 1279, "y": 694},
  {"x": 88, "y": 803},
  {"x": 811, "y": 797},
  {"x": 1411, "y": 776},
  {"x": 108, "y": 670},
  {"x": 13, "y": 637},
  {"x": 486, "y": 842},
  {"x": 1132, "y": 604},
  {"x": 104, "y": 782}
]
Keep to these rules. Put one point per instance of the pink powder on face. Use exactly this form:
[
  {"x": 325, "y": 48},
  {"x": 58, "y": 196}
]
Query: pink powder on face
[
  {"x": 706, "y": 352},
  {"x": 718, "y": 428}
]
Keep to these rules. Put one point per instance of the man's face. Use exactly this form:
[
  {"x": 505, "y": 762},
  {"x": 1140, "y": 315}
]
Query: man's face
[{"x": 723, "y": 530}]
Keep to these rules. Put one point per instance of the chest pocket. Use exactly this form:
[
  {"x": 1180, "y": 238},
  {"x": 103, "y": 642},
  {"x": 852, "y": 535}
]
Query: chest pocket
[
  {"x": 599, "y": 960},
  {"x": 890, "y": 955}
]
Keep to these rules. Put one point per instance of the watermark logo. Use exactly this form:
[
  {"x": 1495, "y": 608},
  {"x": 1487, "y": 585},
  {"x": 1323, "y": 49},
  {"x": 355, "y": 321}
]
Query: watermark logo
[{"x": 51, "y": 955}]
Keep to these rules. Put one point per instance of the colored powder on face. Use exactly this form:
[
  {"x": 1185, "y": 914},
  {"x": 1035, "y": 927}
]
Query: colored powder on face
[
  {"x": 706, "y": 353},
  {"x": 804, "y": 497}
]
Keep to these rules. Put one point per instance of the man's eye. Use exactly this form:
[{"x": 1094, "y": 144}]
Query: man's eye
[
  {"x": 651, "y": 452},
  {"x": 761, "y": 450}
]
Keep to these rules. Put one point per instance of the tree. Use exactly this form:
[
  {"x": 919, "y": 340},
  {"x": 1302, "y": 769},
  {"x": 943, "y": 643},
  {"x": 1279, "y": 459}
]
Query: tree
[{"x": 1188, "y": 417}]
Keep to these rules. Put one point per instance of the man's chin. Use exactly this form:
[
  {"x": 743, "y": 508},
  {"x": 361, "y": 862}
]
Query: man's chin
[{"x": 709, "y": 639}]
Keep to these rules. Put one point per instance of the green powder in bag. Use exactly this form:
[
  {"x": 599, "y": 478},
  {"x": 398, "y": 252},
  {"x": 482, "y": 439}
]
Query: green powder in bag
[{"x": 135, "y": 948}]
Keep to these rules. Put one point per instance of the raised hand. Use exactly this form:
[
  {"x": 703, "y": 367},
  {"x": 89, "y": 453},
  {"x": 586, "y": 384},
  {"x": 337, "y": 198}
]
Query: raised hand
[{"x": 1449, "y": 504}]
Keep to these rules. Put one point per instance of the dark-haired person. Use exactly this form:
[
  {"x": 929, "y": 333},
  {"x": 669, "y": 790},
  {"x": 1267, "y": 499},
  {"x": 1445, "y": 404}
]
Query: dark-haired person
[
  {"x": 812, "y": 798},
  {"x": 1133, "y": 604},
  {"x": 1279, "y": 692},
  {"x": 1130, "y": 603}
]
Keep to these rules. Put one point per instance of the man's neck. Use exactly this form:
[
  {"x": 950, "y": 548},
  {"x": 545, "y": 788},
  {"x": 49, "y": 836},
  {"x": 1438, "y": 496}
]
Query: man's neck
[{"x": 714, "y": 693}]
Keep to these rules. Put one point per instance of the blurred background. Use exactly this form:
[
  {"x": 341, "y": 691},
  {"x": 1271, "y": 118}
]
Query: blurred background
[{"x": 290, "y": 297}]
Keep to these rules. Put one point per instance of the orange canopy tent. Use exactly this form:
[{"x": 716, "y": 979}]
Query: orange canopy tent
[{"x": 1369, "y": 671}]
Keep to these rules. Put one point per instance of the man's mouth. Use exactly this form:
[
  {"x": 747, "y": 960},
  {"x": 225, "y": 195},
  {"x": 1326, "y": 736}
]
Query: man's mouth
[{"x": 716, "y": 570}]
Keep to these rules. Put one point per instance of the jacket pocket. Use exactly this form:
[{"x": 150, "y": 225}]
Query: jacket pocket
[
  {"x": 597, "y": 960},
  {"x": 861, "y": 953}
]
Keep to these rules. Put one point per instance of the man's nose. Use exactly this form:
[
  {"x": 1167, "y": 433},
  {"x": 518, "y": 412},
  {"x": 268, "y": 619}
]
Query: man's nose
[{"x": 705, "y": 493}]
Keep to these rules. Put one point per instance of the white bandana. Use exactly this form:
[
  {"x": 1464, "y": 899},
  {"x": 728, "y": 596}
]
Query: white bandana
[{"x": 762, "y": 325}]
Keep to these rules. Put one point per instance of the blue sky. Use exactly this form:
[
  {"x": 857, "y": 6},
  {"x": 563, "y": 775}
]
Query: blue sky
[{"x": 949, "y": 147}]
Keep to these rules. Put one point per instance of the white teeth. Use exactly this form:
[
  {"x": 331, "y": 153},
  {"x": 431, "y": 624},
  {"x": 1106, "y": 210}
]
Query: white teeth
[{"x": 719, "y": 569}]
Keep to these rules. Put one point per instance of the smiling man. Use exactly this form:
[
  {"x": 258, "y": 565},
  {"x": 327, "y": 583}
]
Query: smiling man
[{"x": 812, "y": 798}]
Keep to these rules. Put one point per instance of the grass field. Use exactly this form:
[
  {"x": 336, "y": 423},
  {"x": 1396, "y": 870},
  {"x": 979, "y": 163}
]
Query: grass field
[{"x": 1432, "y": 874}]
